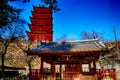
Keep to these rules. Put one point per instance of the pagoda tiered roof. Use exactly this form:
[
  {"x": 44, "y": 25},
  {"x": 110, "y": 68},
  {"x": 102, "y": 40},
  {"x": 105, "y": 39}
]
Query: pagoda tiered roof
[
  {"x": 37, "y": 29},
  {"x": 41, "y": 15},
  {"x": 41, "y": 21},
  {"x": 41, "y": 24},
  {"x": 82, "y": 47},
  {"x": 42, "y": 9},
  {"x": 40, "y": 37}
]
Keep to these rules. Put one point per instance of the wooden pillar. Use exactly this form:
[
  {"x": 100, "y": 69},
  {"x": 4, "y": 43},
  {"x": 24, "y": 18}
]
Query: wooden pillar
[
  {"x": 60, "y": 71},
  {"x": 54, "y": 70},
  {"x": 41, "y": 69},
  {"x": 80, "y": 69},
  {"x": 94, "y": 64},
  {"x": 80, "y": 65},
  {"x": 90, "y": 66}
]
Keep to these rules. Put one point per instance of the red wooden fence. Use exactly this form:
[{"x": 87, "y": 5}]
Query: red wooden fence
[
  {"x": 101, "y": 73},
  {"x": 71, "y": 71},
  {"x": 35, "y": 74}
]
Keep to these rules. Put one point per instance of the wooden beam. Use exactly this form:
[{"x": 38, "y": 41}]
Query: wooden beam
[{"x": 81, "y": 53}]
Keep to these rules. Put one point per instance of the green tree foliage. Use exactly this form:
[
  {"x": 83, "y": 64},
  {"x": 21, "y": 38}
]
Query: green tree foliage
[
  {"x": 9, "y": 34},
  {"x": 26, "y": 46},
  {"x": 51, "y": 3},
  {"x": 10, "y": 27},
  {"x": 8, "y": 14},
  {"x": 24, "y": 1},
  {"x": 46, "y": 3}
]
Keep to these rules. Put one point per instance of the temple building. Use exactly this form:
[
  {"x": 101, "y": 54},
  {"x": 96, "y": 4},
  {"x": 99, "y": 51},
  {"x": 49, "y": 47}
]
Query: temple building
[{"x": 69, "y": 60}]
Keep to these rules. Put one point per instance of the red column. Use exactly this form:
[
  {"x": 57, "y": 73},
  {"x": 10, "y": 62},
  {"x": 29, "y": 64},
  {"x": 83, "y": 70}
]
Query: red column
[
  {"x": 54, "y": 70},
  {"x": 80, "y": 65},
  {"x": 94, "y": 64},
  {"x": 60, "y": 71}
]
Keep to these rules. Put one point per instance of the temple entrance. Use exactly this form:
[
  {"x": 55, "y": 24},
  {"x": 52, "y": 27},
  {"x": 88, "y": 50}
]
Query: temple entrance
[
  {"x": 67, "y": 72},
  {"x": 68, "y": 68},
  {"x": 74, "y": 60}
]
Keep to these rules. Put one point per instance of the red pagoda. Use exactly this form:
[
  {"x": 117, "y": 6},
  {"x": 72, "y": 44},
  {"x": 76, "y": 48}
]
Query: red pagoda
[{"x": 41, "y": 27}]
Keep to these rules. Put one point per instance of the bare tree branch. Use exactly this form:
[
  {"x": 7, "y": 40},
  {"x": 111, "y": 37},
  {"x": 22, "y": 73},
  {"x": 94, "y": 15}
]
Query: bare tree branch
[{"x": 91, "y": 35}]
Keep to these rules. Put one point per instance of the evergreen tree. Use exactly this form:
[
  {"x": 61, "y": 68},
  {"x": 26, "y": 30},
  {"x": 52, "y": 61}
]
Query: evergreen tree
[
  {"x": 10, "y": 27},
  {"x": 8, "y": 14},
  {"x": 51, "y": 3}
]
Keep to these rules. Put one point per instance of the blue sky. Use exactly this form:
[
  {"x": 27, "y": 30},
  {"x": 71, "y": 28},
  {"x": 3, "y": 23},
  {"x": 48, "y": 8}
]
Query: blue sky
[{"x": 77, "y": 16}]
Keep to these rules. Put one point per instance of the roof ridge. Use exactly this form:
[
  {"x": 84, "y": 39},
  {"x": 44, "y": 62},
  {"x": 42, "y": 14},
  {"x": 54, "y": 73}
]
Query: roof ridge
[{"x": 97, "y": 39}]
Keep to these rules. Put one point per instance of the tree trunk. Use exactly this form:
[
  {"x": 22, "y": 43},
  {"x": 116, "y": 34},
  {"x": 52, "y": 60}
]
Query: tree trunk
[
  {"x": 2, "y": 66},
  {"x": 30, "y": 71}
]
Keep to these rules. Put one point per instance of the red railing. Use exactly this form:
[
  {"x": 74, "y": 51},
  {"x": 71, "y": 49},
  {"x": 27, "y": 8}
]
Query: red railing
[
  {"x": 35, "y": 74},
  {"x": 101, "y": 73}
]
